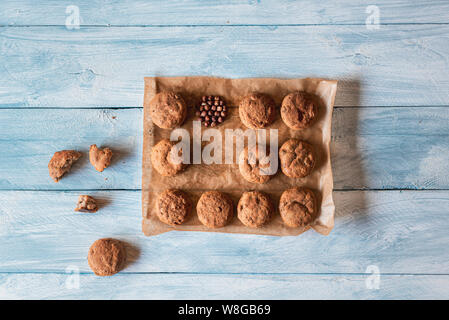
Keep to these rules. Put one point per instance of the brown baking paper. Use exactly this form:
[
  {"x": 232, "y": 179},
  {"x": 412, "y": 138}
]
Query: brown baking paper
[{"x": 198, "y": 178}]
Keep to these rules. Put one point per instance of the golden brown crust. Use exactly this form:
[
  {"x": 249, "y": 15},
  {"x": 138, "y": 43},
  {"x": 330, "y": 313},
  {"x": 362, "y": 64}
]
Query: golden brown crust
[
  {"x": 257, "y": 110},
  {"x": 215, "y": 209},
  {"x": 173, "y": 206},
  {"x": 297, "y": 158},
  {"x": 100, "y": 158},
  {"x": 298, "y": 110},
  {"x": 168, "y": 110},
  {"x": 298, "y": 207},
  {"x": 107, "y": 256},
  {"x": 254, "y": 209},
  {"x": 61, "y": 162},
  {"x": 162, "y": 160},
  {"x": 251, "y": 168},
  {"x": 86, "y": 204}
]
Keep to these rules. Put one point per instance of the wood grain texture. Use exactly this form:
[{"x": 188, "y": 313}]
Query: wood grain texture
[
  {"x": 30, "y": 137},
  {"x": 377, "y": 148},
  {"x": 390, "y": 148},
  {"x": 401, "y": 232},
  {"x": 206, "y": 287},
  {"x": 403, "y": 63},
  {"x": 174, "y": 12},
  {"x": 397, "y": 65}
]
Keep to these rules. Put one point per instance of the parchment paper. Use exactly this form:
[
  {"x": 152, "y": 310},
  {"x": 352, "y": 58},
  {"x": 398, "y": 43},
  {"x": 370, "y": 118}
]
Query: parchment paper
[{"x": 198, "y": 178}]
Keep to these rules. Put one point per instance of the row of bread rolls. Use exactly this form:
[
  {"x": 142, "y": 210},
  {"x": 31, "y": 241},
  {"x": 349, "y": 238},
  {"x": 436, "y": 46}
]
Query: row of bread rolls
[
  {"x": 297, "y": 159},
  {"x": 297, "y": 208},
  {"x": 299, "y": 110}
]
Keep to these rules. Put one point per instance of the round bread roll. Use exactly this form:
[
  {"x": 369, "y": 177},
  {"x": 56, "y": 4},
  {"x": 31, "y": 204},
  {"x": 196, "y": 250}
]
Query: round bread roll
[
  {"x": 173, "y": 206},
  {"x": 168, "y": 110},
  {"x": 252, "y": 168},
  {"x": 215, "y": 209},
  {"x": 106, "y": 257},
  {"x": 254, "y": 209},
  {"x": 257, "y": 110},
  {"x": 298, "y": 110},
  {"x": 297, "y": 158},
  {"x": 161, "y": 158},
  {"x": 297, "y": 207}
]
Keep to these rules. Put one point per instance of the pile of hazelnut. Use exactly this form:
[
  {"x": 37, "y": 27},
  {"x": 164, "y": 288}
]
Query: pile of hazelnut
[{"x": 212, "y": 111}]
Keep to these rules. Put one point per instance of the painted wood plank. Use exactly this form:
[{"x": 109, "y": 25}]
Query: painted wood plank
[
  {"x": 397, "y": 65},
  {"x": 205, "y": 287},
  {"x": 29, "y": 139},
  {"x": 398, "y": 232},
  {"x": 390, "y": 148},
  {"x": 377, "y": 148},
  {"x": 173, "y": 12}
]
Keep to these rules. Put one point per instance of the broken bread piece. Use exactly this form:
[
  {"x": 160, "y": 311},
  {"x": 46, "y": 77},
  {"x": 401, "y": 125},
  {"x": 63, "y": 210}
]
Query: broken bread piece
[
  {"x": 100, "y": 158},
  {"x": 61, "y": 162},
  {"x": 86, "y": 204}
]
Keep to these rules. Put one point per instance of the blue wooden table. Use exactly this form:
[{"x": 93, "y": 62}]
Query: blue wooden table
[{"x": 64, "y": 85}]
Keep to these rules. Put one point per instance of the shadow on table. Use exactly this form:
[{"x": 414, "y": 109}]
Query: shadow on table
[
  {"x": 121, "y": 155},
  {"x": 347, "y": 154},
  {"x": 132, "y": 254}
]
